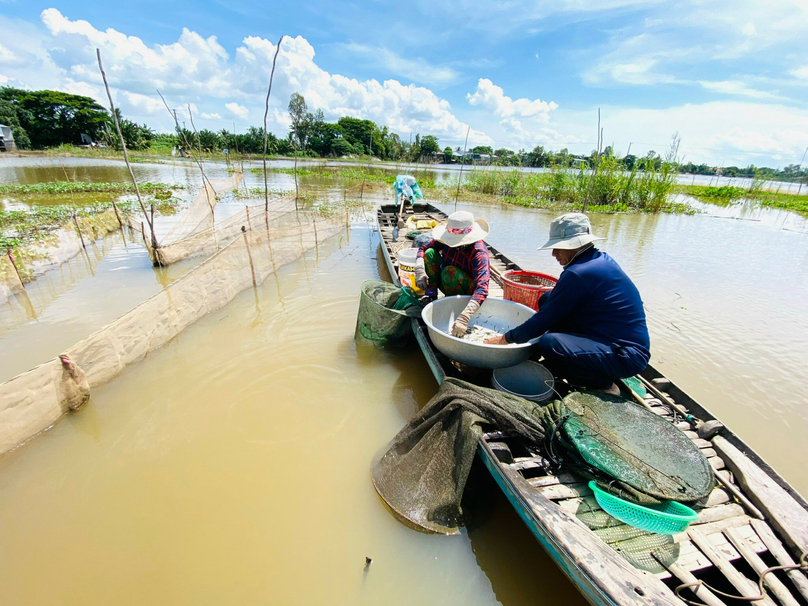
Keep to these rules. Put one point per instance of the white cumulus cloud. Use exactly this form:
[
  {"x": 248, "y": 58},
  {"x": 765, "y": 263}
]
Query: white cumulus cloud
[
  {"x": 200, "y": 70},
  {"x": 239, "y": 111},
  {"x": 523, "y": 120},
  {"x": 492, "y": 97},
  {"x": 210, "y": 116}
]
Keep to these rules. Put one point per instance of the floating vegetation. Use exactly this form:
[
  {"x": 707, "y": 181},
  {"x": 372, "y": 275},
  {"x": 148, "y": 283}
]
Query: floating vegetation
[
  {"x": 727, "y": 194},
  {"x": 22, "y": 227},
  {"x": 79, "y": 187}
]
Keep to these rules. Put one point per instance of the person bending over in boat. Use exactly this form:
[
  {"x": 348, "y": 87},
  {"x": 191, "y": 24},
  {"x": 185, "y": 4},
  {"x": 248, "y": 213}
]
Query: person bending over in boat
[
  {"x": 592, "y": 324},
  {"x": 456, "y": 262}
]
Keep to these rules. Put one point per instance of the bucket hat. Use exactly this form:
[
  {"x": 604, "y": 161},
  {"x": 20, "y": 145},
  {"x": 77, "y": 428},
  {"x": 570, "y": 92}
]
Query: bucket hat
[
  {"x": 569, "y": 232},
  {"x": 461, "y": 229}
]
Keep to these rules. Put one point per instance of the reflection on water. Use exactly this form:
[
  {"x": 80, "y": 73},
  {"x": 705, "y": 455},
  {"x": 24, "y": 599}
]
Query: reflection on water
[{"x": 233, "y": 466}]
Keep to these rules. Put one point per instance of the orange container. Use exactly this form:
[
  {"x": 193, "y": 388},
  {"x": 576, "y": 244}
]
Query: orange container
[{"x": 526, "y": 287}]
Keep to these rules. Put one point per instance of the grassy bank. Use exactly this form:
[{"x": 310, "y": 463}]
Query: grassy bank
[
  {"x": 350, "y": 173},
  {"x": 608, "y": 188},
  {"x": 727, "y": 195}
]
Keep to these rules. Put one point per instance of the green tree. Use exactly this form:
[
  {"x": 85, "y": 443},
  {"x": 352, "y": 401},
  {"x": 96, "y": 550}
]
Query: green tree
[
  {"x": 209, "y": 140},
  {"x": 448, "y": 154},
  {"x": 538, "y": 157},
  {"x": 340, "y": 147},
  {"x": 51, "y": 117},
  {"x": 429, "y": 146},
  {"x": 136, "y": 136},
  {"x": 358, "y": 131},
  {"x": 298, "y": 111},
  {"x": 8, "y": 116}
]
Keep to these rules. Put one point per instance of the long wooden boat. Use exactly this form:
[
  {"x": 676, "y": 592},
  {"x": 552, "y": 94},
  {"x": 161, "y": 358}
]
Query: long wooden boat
[{"x": 751, "y": 521}]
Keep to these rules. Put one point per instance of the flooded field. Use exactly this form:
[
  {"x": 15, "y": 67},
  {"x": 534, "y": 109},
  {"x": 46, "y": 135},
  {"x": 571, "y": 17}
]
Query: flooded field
[{"x": 233, "y": 465}]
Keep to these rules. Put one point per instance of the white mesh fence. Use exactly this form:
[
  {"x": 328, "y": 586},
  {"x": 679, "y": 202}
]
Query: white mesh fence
[{"x": 34, "y": 400}]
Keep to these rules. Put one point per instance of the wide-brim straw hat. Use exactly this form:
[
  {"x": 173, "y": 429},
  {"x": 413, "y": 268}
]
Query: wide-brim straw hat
[
  {"x": 569, "y": 232},
  {"x": 461, "y": 229}
]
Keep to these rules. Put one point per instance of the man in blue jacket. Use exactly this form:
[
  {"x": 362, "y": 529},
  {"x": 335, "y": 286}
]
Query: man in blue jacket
[{"x": 591, "y": 326}]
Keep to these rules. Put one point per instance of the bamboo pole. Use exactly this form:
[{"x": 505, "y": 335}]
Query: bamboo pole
[
  {"x": 462, "y": 164},
  {"x": 266, "y": 113},
  {"x": 117, "y": 214},
  {"x": 204, "y": 178},
  {"x": 125, "y": 153},
  {"x": 173, "y": 114},
  {"x": 249, "y": 254},
  {"x": 297, "y": 191},
  {"x": 78, "y": 229},
  {"x": 16, "y": 269}
]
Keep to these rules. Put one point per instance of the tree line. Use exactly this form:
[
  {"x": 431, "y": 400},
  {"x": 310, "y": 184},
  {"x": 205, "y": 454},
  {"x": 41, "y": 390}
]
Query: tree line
[{"x": 42, "y": 119}]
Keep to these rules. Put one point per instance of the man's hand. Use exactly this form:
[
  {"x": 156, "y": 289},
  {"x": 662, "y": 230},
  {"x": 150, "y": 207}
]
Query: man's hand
[
  {"x": 461, "y": 325},
  {"x": 421, "y": 280},
  {"x": 498, "y": 340}
]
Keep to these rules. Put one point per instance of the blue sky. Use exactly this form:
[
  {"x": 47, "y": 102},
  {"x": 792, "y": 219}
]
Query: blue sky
[{"x": 730, "y": 76}]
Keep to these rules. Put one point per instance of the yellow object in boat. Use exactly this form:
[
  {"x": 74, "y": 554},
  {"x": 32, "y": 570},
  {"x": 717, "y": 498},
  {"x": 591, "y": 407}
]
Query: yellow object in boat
[{"x": 420, "y": 224}]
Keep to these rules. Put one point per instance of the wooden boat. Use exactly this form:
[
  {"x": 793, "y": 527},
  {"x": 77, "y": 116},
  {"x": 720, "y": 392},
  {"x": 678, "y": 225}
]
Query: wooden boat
[{"x": 751, "y": 521}]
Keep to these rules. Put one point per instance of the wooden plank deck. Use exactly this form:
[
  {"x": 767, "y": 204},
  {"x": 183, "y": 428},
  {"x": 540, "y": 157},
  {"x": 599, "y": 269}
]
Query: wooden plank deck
[{"x": 725, "y": 535}]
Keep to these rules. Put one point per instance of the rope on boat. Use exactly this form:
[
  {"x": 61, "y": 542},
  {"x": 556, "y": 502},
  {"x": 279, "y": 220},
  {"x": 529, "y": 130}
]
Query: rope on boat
[{"x": 803, "y": 565}]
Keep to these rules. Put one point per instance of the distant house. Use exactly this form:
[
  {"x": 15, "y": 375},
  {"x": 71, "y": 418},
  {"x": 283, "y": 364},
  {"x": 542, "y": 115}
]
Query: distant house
[{"x": 6, "y": 138}]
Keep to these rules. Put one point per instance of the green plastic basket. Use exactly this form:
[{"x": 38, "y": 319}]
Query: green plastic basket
[{"x": 669, "y": 517}]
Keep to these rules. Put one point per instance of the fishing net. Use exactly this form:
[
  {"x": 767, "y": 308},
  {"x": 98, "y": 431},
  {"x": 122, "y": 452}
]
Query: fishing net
[
  {"x": 644, "y": 457},
  {"x": 422, "y": 472},
  {"x": 32, "y": 401},
  {"x": 207, "y": 241},
  {"x": 384, "y": 314},
  {"x": 200, "y": 216},
  {"x": 52, "y": 251}
]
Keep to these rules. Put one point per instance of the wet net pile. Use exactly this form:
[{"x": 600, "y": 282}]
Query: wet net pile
[
  {"x": 385, "y": 313},
  {"x": 34, "y": 400},
  {"x": 624, "y": 447}
]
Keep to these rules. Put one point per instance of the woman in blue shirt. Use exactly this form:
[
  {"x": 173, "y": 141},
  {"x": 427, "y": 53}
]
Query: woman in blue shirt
[{"x": 591, "y": 326}]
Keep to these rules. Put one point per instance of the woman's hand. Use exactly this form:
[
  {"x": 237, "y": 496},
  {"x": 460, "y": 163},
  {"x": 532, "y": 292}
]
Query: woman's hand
[{"x": 498, "y": 340}]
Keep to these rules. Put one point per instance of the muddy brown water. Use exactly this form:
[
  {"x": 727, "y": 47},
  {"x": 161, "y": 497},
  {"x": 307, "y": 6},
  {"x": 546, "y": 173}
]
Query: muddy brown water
[{"x": 233, "y": 465}]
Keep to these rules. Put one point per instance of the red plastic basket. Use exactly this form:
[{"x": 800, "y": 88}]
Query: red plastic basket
[{"x": 526, "y": 287}]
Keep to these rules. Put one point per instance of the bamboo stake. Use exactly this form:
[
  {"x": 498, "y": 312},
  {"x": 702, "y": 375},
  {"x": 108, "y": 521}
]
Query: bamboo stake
[
  {"x": 297, "y": 192},
  {"x": 16, "y": 269},
  {"x": 188, "y": 145},
  {"x": 117, "y": 214},
  {"x": 266, "y": 113},
  {"x": 462, "y": 164},
  {"x": 78, "y": 229},
  {"x": 199, "y": 142},
  {"x": 249, "y": 254},
  {"x": 125, "y": 153}
]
